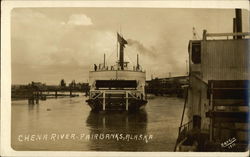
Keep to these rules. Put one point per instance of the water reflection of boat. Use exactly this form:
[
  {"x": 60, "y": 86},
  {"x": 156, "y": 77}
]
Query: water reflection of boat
[
  {"x": 150, "y": 96},
  {"x": 117, "y": 87},
  {"x": 118, "y": 121},
  {"x": 122, "y": 124}
]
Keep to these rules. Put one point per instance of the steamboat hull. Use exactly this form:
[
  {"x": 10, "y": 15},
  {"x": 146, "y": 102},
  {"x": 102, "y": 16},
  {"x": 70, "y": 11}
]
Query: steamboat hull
[
  {"x": 218, "y": 96},
  {"x": 108, "y": 93},
  {"x": 118, "y": 104}
]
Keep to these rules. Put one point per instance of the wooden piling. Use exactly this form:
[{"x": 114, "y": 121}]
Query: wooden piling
[
  {"x": 70, "y": 92},
  {"x": 37, "y": 100},
  {"x": 30, "y": 101},
  {"x": 103, "y": 103},
  {"x": 126, "y": 101}
]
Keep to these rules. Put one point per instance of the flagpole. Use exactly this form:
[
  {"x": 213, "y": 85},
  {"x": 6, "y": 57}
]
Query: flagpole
[{"x": 117, "y": 46}]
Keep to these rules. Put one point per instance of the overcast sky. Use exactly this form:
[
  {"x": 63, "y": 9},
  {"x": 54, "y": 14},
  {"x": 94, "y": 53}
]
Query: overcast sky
[{"x": 50, "y": 44}]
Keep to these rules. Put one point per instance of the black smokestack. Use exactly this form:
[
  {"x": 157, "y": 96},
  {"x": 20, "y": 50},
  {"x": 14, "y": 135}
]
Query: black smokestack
[
  {"x": 238, "y": 22},
  {"x": 234, "y": 27}
]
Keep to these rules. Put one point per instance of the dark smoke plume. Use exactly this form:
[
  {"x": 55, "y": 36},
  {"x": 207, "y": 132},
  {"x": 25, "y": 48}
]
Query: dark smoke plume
[{"x": 141, "y": 48}]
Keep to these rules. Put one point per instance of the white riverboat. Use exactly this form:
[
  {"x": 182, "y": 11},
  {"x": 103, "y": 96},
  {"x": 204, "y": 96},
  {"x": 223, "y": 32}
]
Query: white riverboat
[{"x": 117, "y": 87}]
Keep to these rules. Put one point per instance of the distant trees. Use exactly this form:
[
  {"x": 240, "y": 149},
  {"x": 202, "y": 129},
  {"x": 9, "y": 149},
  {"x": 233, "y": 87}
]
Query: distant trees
[
  {"x": 62, "y": 83},
  {"x": 74, "y": 86}
]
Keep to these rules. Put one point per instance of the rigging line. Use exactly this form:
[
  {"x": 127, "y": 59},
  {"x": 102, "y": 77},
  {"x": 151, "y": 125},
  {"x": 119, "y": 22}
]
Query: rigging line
[
  {"x": 182, "y": 118},
  {"x": 129, "y": 58},
  {"x": 113, "y": 51},
  {"x": 111, "y": 54},
  {"x": 195, "y": 33},
  {"x": 107, "y": 59},
  {"x": 198, "y": 36},
  {"x": 117, "y": 49}
]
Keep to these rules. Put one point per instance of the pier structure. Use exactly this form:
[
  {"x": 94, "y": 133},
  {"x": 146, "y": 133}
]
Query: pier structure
[
  {"x": 172, "y": 86},
  {"x": 36, "y": 91}
]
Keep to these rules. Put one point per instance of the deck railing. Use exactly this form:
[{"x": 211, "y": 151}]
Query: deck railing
[{"x": 186, "y": 127}]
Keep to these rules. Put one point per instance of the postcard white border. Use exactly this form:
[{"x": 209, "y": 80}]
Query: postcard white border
[{"x": 7, "y": 6}]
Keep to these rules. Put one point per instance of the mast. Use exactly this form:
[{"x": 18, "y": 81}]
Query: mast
[
  {"x": 137, "y": 64},
  {"x": 104, "y": 60},
  {"x": 122, "y": 43},
  {"x": 137, "y": 59}
]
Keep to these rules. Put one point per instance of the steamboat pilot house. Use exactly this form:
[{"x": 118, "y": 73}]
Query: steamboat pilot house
[{"x": 117, "y": 87}]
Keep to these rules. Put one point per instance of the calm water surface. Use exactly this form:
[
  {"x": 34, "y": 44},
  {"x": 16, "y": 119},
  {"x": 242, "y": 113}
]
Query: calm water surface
[{"x": 34, "y": 125}]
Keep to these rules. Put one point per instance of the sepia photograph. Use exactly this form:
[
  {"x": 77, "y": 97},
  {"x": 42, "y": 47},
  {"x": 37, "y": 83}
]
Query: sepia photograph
[{"x": 129, "y": 79}]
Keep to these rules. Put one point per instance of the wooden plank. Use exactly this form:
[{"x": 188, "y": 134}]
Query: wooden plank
[
  {"x": 229, "y": 93},
  {"x": 229, "y": 83},
  {"x": 230, "y": 102},
  {"x": 220, "y": 116},
  {"x": 227, "y": 34},
  {"x": 228, "y": 89},
  {"x": 230, "y": 120},
  {"x": 230, "y": 128}
]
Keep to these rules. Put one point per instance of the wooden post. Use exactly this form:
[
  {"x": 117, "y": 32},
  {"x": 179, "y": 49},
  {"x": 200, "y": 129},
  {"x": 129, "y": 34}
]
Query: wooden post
[
  {"x": 126, "y": 121},
  {"x": 31, "y": 101},
  {"x": 104, "y": 61},
  {"x": 211, "y": 119},
  {"x": 204, "y": 35},
  {"x": 37, "y": 101},
  {"x": 56, "y": 93},
  {"x": 126, "y": 101},
  {"x": 103, "y": 103},
  {"x": 104, "y": 122},
  {"x": 37, "y": 97},
  {"x": 137, "y": 64},
  {"x": 234, "y": 27},
  {"x": 70, "y": 92}
]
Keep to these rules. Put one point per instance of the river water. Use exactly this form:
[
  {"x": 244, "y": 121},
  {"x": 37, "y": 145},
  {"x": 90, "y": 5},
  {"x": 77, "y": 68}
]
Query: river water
[{"x": 68, "y": 124}]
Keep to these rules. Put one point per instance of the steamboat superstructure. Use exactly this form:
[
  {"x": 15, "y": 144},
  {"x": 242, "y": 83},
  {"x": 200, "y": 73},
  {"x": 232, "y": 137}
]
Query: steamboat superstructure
[
  {"x": 117, "y": 87},
  {"x": 217, "y": 102}
]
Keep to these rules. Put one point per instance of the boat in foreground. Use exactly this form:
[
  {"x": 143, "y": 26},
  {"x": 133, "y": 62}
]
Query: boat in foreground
[{"x": 217, "y": 102}]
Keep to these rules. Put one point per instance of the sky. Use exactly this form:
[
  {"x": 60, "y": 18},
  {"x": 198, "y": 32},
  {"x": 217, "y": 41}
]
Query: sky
[{"x": 50, "y": 44}]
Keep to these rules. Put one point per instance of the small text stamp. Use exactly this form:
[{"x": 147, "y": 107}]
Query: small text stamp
[{"x": 230, "y": 143}]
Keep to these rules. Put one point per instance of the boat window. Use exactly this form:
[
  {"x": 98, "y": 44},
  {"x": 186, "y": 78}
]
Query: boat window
[
  {"x": 196, "y": 53},
  {"x": 116, "y": 84}
]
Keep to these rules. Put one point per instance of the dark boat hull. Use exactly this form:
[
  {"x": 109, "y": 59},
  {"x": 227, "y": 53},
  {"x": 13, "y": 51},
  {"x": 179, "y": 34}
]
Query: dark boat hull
[{"x": 116, "y": 104}]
